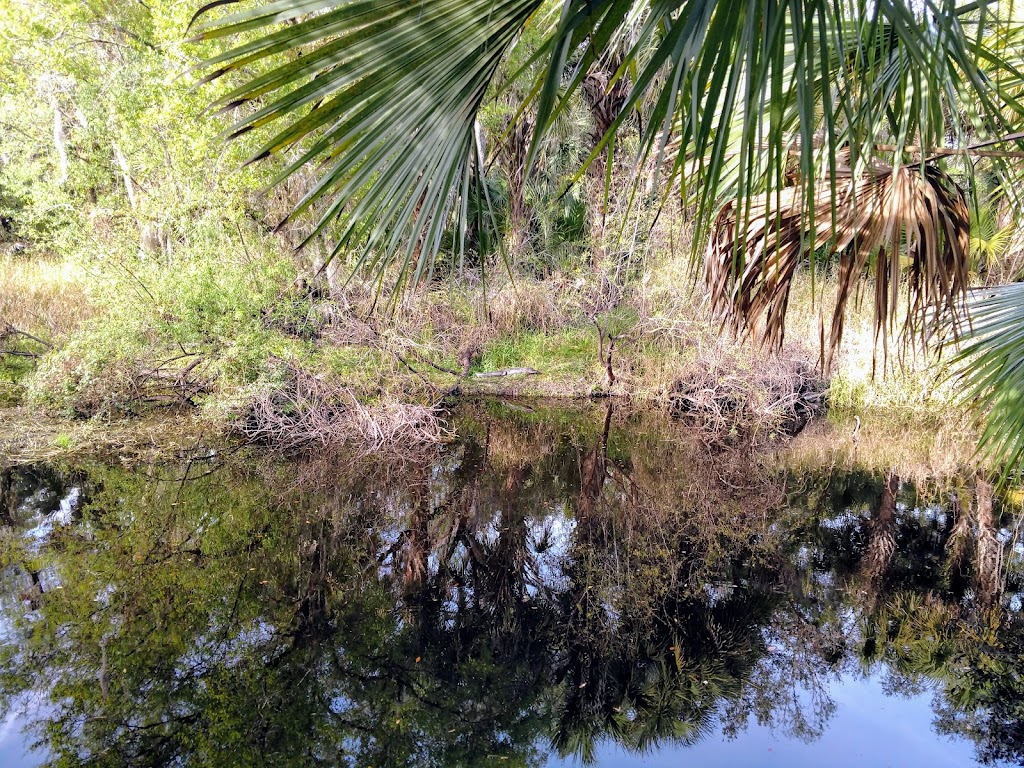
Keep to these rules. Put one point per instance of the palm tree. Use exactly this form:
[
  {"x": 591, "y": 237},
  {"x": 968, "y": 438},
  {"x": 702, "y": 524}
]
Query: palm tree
[{"x": 816, "y": 124}]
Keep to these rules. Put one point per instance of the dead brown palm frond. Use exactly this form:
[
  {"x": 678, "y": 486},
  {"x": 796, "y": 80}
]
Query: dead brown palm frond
[{"x": 878, "y": 215}]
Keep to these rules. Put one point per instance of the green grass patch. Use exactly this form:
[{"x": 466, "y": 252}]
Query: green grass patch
[{"x": 570, "y": 352}]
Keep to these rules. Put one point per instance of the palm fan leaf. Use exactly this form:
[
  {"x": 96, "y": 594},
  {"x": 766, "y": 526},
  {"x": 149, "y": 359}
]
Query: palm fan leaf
[
  {"x": 382, "y": 99},
  {"x": 878, "y": 215},
  {"x": 990, "y": 366},
  {"x": 870, "y": 98}
]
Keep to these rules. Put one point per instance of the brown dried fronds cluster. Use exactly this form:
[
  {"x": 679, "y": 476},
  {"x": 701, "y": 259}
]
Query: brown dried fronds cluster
[
  {"x": 308, "y": 412},
  {"x": 881, "y": 216}
]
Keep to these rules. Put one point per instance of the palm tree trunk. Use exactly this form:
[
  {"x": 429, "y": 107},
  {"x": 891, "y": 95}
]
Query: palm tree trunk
[
  {"x": 606, "y": 100},
  {"x": 514, "y": 160}
]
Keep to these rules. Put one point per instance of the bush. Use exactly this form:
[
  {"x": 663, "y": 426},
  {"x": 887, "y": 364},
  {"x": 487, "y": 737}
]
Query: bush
[{"x": 95, "y": 374}]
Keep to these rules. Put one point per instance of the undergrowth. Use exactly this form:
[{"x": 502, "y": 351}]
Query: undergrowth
[{"x": 222, "y": 333}]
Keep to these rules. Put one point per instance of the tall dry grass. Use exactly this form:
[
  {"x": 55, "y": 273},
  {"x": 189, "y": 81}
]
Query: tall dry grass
[{"x": 49, "y": 299}]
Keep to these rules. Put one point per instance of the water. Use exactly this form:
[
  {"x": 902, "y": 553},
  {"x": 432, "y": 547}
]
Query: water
[{"x": 554, "y": 587}]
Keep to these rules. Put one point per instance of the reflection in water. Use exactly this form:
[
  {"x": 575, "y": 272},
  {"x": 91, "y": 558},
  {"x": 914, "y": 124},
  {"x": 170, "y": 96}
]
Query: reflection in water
[{"x": 546, "y": 583}]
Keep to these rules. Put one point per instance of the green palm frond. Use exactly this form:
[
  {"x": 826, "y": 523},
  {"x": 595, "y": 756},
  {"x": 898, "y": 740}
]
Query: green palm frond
[
  {"x": 988, "y": 241},
  {"x": 991, "y": 371},
  {"x": 382, "y": 97}
]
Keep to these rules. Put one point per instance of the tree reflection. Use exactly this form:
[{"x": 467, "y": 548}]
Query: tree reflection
[{"x": 537, "y": 586}]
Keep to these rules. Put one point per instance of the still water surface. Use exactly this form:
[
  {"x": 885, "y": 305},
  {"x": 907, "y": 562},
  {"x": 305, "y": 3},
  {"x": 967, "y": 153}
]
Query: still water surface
[{"x": 552, "y": 588}]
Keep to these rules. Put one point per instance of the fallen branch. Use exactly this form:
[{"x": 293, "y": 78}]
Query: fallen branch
[
  {"x": 163, "y": 385},
  {"x": 432, "y": 364},
  {"x": 10, "y": 330},
  {"x": 18, "y": 353},
  {"x": 408, "y": 365}
]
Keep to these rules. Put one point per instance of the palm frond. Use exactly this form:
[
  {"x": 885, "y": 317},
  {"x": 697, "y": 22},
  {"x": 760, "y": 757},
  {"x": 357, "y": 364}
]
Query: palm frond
[
  {"x": 878, "y": 215},
  {"x": 990, "y": 368},
  {"x": 911, "y": 85},
  {"x": 382, "y": 98},
  {"x": 989, "y": 241}
]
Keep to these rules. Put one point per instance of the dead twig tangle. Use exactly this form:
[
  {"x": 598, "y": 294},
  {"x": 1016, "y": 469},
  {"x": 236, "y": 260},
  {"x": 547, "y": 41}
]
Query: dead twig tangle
[{"x": 308, "y": 412}]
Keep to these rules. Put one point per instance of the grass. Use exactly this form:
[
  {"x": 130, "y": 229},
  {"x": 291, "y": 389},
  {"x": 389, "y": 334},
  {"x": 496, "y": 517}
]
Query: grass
[{"x": 49, "y": 298}]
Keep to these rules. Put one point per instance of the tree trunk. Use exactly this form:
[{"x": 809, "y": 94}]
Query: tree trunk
[
  {"x": 59, "y": 139},
  {"x": 514, "y": 160},
  {"x": 606, "y": 100}
]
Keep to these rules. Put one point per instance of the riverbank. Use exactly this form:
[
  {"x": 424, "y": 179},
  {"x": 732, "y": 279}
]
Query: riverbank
[
  {"x": 255, "y": 346},
  {"x": 28, "y": 435},
  {"x": 925, "y": 454}
]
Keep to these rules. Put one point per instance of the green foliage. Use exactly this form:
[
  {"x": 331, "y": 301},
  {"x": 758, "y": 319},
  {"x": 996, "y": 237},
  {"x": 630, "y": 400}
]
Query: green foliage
[
  {"x": 14, "y": 369},
  {"x": 618, "y": 321},
  {"x": 989, "y": 241},
  {"x": 989, "y": 365},
  {"x": 93, "y": 94},
  {"x": 94, "y": 373},
  {"x": 235, "y": 316}
]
